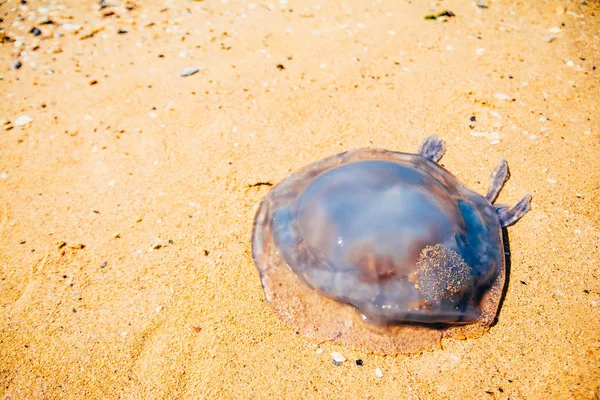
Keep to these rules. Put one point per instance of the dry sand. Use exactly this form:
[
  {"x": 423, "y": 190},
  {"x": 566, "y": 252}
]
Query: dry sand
[{"x": 126, "y": 204}]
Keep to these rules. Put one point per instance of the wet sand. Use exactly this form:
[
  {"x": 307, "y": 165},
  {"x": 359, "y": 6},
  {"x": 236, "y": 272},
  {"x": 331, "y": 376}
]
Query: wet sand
[{"x": 127, "y": 192}]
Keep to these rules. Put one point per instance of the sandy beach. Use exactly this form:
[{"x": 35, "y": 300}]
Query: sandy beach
[{"x": 138, "y": 138}]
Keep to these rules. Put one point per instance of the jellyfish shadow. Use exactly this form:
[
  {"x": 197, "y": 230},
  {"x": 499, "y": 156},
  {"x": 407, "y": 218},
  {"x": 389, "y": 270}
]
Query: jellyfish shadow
[{"x": 507, "y": 264}]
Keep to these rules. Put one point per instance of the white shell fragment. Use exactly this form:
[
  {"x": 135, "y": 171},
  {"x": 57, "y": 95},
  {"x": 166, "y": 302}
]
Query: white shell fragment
[
  {"x": 338, "y": 359},
  {"x": 188, "y": 71},
  {"x": 502, "y": 96},
  {"x": 23, "y": 120}
]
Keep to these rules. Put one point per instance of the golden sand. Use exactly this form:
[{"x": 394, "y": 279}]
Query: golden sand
[{"x": 126, "y": 202}]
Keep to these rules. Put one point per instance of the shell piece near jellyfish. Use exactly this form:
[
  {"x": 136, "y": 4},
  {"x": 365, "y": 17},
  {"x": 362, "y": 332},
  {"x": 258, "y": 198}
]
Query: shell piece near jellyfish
[{"x": 383, "y": 251}]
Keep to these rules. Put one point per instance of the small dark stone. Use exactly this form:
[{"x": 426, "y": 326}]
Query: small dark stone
[
  {"x": 430, "y": 16},
  {"x": 359, "y": 362},
  {"x": 103, "y": 265},
  {"x": 473, "y": 118},
  {"x": 23, "y": 2},
  {"x": 586, "y": 291},
  {"x": 446, "y": 13},
  {"x": 280, "y": 66},
  {"x": 16, "y": 64},
  {"x": 523, "y": 282},
  {"x": 122, "y": 31},
  {"x": 336, "y": 363},
  {"x": 35, "y": 31}
]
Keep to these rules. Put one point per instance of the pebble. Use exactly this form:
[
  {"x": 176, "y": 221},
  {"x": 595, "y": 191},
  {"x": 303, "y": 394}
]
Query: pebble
[
  {"x": 338, "y": 359},
  {"x": 481, "y": 4},
  {"x": 188, "y": 71},
  {"x": 16, "y": 64},
  {"x": 44, "y": 20},
  {"x": 23, "y": 120},
  {"x": 595, "y": 303},
  {"x": 550, "y": 39},
  {"x": 480, "y": 51},
  {"x": 3, "y": 175},
  {"x": 36, "y": 32},
  {"x": 71, "y": 28},
  {"x": 378, "y": 373},
  {"x": 555, "y": 29}
]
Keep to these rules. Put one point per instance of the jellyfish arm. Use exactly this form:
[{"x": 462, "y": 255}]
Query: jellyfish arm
[
  {"x": 499, "y": 176},
  {"x": 507, "y": 215},
  {"x": 433, "y": 148}
]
